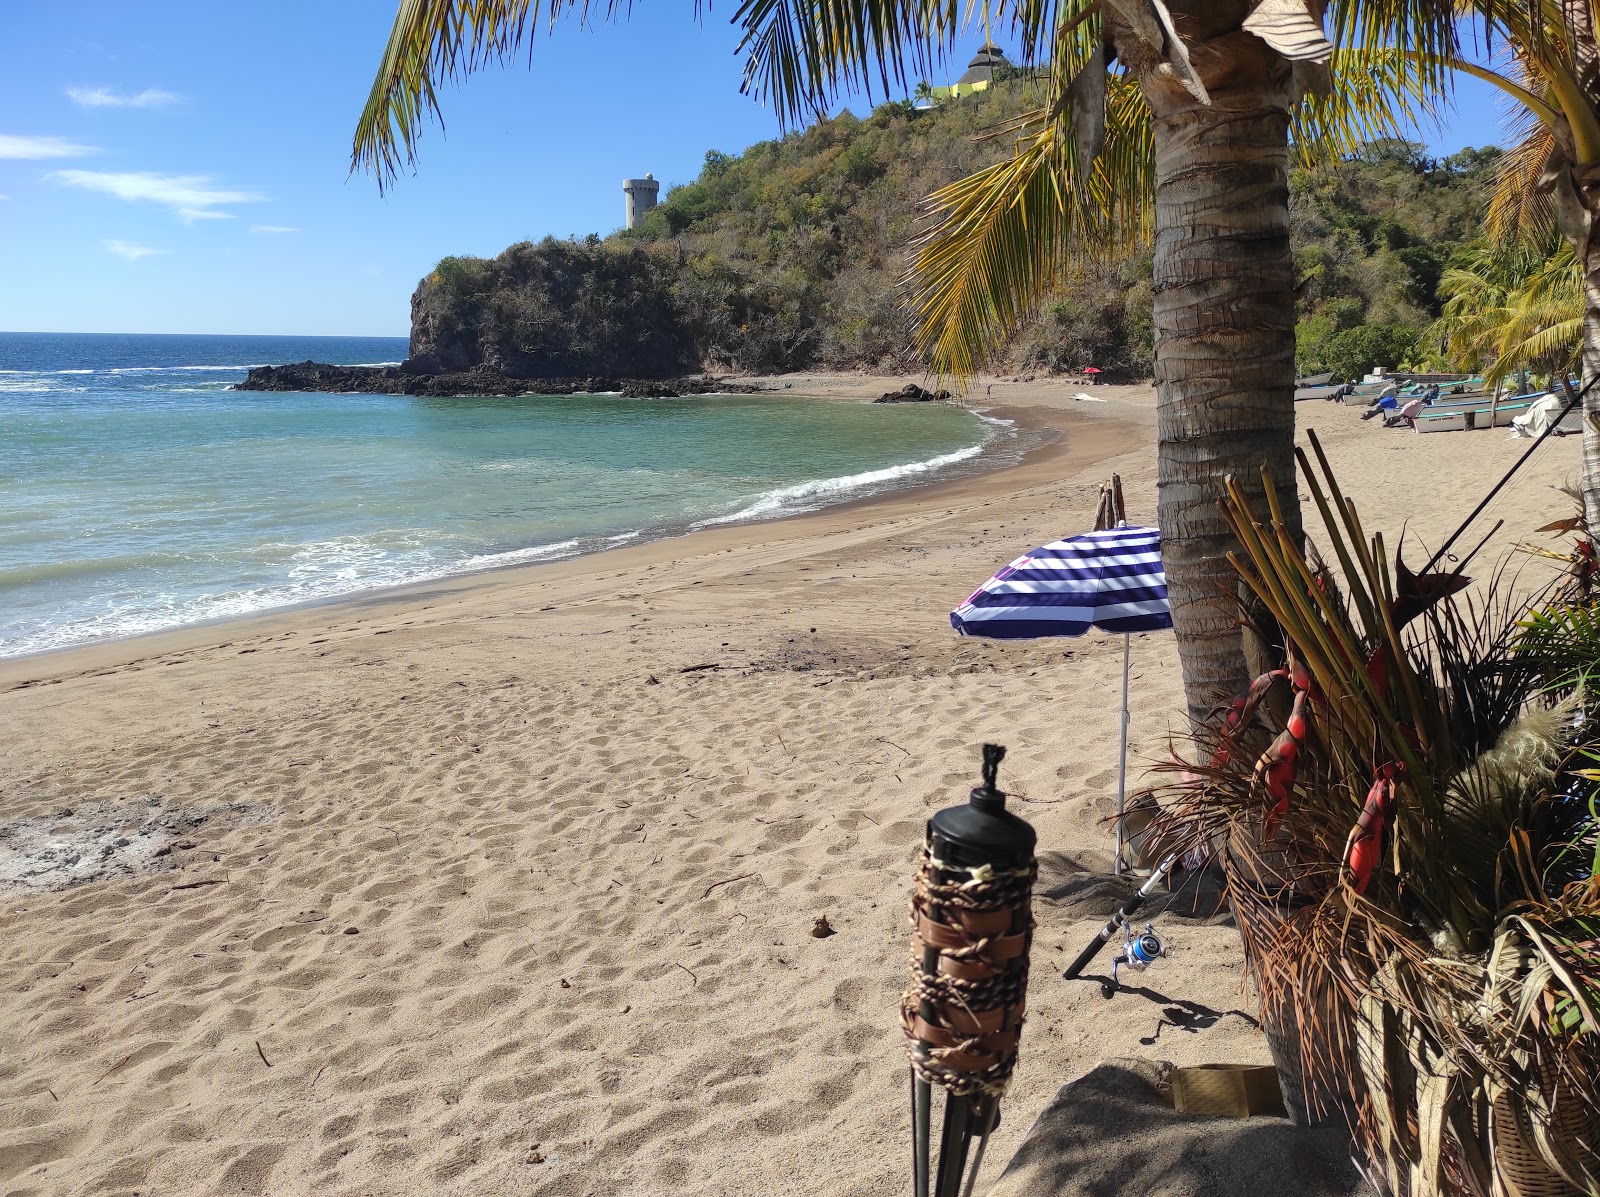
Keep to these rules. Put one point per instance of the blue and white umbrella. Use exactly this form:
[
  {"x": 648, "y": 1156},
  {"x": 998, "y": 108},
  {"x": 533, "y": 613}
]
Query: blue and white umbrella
[{"x": 1112, "y": 580}]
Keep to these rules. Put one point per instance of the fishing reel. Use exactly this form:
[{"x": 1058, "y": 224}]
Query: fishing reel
[{"x": 1139, "y": 951}]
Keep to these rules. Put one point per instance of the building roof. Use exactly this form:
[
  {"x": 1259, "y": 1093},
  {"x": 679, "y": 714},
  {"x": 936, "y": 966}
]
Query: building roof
[{"x": 981, "y": 68}]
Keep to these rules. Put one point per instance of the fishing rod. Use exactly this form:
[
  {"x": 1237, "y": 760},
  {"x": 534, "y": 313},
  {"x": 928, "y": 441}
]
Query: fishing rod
[
  {"x": 1573, "y": 399},
  {"x": 1119, "y": 920}
]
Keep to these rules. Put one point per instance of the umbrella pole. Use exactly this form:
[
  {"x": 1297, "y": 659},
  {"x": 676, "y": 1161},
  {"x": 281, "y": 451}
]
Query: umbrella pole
[{"x": 1122, "y": 759}]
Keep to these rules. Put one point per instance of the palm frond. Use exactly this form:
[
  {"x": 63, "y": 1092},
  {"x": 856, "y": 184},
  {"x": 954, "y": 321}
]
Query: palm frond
[
  {"x": 430, "y": 43},
  {"x": 1426, "y": 28},
  {"x": 1518, "y": 206},
  {"x": 1372, "y": 93},
  {"x": 999, "y": 241}
]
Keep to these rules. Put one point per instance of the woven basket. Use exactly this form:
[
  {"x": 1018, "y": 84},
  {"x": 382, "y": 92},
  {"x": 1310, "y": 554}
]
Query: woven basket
[{"x": 1522, "y": 1170}]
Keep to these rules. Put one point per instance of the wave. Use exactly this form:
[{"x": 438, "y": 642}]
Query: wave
[
  {"x": 274, "y": 573},
  {"x": 321, "y": 571},
  {"x": 788, "y": 500},
  {"x": 164, "y": 369}
]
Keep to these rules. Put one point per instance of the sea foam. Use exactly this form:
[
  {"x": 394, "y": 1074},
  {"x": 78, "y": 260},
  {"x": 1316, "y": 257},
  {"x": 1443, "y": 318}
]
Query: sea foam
[{"x": 808, "y": 496}]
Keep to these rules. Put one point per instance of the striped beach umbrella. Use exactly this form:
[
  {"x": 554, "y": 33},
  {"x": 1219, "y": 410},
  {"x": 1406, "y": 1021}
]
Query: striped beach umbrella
[{"x": 1112, "y": 580}]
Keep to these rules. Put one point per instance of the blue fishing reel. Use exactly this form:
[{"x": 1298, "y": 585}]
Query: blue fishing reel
[{"x": 1139, "y": 951}]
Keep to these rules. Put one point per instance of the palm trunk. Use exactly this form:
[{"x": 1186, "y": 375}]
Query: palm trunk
[
  {"x": 1224, "y": 325},
  {"x": 1589, "y": 255}
]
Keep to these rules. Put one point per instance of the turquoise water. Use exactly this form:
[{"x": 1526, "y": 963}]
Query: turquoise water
[{"x": 141, "y": 493}]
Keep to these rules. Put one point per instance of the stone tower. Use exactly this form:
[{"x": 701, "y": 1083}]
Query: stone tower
[{"x": 641, "y": 195}]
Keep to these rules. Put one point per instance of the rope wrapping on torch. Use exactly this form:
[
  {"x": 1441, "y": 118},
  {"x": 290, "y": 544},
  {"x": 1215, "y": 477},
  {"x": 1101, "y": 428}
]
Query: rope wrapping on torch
[{"x": 963, "y": 1020}]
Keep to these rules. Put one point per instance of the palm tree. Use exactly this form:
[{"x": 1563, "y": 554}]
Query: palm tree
[
  {"x": 1188, "y": 141},
  {"x": 1549, "y": 63},
  {"x": 1511, "y": 307}
]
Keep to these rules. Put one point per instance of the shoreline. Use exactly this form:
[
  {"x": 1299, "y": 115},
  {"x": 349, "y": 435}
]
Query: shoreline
[
  {"x": 1030, "y": 419},
  {"x": 508, "y": 884}
]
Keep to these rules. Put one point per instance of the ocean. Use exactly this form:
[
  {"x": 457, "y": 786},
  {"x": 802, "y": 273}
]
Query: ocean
[{"x": 141, "y": 493}]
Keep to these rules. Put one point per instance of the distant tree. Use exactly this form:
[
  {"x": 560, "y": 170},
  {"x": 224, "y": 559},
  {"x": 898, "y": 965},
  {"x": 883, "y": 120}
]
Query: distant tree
[{"x": 1357, "y": 351}]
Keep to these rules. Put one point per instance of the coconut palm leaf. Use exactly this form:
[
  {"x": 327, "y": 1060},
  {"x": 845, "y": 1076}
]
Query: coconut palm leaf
[
  {"x": 1000, "y": 240},
  {"x": 1519, "y": 206},
  {"x": 997, "y": 244},
  {"x": 1513, "y": 306}
]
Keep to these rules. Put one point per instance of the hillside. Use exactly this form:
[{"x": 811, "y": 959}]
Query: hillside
[{"x": 790, "y": 256}]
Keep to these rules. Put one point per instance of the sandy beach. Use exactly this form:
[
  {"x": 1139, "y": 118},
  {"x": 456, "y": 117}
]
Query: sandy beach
[{"x": 505, "y": 884}]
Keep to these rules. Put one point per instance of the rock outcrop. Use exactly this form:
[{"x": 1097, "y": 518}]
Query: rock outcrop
[
  {"x": 555, "y": 309},
  {"x": 912, "y": 393},
  {"x": 416, "y": 376}
]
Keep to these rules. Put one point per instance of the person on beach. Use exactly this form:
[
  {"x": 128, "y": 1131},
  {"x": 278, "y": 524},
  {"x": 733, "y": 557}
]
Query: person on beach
[
  {"x": 1406, "y": 417},
  {"x": 1385, "y": 401}
]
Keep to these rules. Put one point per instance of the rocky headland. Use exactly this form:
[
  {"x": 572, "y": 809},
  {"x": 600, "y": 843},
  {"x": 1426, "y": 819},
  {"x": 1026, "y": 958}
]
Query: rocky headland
[{"x": 421, "y": 377}]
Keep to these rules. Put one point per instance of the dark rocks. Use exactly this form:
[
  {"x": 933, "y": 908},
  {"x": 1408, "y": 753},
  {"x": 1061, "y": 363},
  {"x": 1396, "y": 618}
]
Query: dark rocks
[
  {"x": 422, "y": 363},
  {"x": 912, "y": 393},
  {"x": 414, "y": 378}
]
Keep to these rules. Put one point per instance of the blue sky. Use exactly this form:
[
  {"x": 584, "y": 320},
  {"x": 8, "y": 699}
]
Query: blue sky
[{"x": 182, "y": 166}]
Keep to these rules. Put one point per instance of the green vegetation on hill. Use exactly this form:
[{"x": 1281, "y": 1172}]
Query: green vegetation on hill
[
  {"x": 1373, "y": 236},
  {"x": 792, "y": 255}
]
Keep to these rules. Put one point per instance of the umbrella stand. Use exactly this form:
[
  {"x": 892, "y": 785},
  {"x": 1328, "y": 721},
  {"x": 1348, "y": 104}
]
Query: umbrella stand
[{"x": 1122, "y": 759}]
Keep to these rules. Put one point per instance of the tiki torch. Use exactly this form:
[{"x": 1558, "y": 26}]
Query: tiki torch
[{"x": 972, "y": 923}]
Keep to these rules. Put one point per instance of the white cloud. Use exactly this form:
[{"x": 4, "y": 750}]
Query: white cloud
[
  {"x": 273, "y": 228},
  {"x": 131, "y": 250},
  {"x": 192, "y": 197},
  {"x": 104, "y": 97},
  {"x": 13, "y": 146}
]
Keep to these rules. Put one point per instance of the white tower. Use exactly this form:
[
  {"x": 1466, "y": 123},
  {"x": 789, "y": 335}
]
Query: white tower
[{"x": 641, "y": 195}]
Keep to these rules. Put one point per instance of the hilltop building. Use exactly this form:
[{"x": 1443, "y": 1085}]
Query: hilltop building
[
  {"x": 979, "y": 74},
  {"x": 641, "y": 195}
]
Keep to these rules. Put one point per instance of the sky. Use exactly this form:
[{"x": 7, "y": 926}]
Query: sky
[{"x": 179, "y": 166}]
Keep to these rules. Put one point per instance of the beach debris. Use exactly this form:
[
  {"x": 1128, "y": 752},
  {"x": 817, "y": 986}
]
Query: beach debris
[
  {"x": 535, "y": 1156},
  {"x": 198, "y": 883},
  {"x": 972, "y": 911},
  {"x": 701, "y": 668},
  {"x": 726, "y": 881},
  {"x": 566, "y": 984},
  {"x": 262, "y": 1054},
  {"x": 91, "y": 841},
  {"x": 822, "y": 928}
]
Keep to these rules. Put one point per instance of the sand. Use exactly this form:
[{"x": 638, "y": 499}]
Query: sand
[{"x": 523, "y": 905}]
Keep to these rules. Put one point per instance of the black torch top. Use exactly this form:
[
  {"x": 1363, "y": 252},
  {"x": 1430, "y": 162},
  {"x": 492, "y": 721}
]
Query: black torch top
[{"x": 982, "y": 832}]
